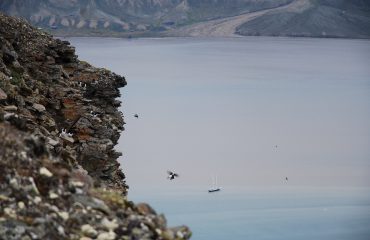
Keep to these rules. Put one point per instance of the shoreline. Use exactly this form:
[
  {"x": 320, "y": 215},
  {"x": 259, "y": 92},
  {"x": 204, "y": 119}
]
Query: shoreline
[{"x": 204, "y": 37}]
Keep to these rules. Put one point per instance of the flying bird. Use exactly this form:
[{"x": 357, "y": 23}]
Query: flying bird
[
  {"x": 137, "y": 116},
  {"x": 172, "y": 175}
]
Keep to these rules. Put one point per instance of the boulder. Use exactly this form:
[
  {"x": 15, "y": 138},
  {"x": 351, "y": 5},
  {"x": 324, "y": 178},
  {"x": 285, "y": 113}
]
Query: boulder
[
  {"x": 3, "y": 95},
  {"x": 145, "y": 209},
  {"x": 39, "y": 107},
  {"x": 11, "y": 108}
]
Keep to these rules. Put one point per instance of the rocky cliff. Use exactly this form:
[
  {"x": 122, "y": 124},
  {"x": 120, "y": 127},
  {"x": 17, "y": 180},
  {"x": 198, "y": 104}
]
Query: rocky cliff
[{"x": 59, "y": 123}]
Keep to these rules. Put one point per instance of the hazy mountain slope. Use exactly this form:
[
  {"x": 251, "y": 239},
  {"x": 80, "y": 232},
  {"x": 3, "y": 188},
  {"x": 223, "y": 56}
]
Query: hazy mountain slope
[
  {"x": 328, "y": 18},
  {"x": 225, "y": 27},
  {"x": 84, "y": 17},
  {"x": 211, "y": 9},
  {"x": 314, "y": 18}
]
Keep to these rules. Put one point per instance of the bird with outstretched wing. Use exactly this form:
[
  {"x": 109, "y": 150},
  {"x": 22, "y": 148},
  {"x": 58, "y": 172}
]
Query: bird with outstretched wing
[{"x": 172, "y": 175}]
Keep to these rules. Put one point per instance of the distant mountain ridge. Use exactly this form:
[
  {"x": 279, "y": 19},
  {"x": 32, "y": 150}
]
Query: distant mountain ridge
[
  {"x": 337, "y": 18},
  {"x": 325, "y": 18},
  {"x": 125, "y": 16}
]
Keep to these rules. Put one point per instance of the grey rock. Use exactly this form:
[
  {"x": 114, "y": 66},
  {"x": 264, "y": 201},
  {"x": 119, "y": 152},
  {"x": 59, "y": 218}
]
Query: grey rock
[
  {"x": 9, "y": 56},
  {"x": 10, "y": 108},
  {"x": 89, "y": 231},
  {"x": 181, "y": 232},
  {"x": 52, "y": 142},
  {"x": 3, "y": 95},
  {"x": 66, "y": 138},
  {"x": 94, "y": 203},
  {"x": 107, "y": 236},
  {"x": 39, "y": 107}
]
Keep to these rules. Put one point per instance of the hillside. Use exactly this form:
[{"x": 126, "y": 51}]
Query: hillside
[
  {"x": 126, "y": 17},
  {"x": 130, "y": 18},
  {"x": 59, "y": 124},
  {"x": 328, "y": 18}
]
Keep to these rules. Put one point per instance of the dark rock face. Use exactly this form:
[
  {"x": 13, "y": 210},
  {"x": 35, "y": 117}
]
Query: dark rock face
[
  {"x": 43, "y": 197},
  {"x": 52, "y": 91},
  {"x": 59, "y": 123}
]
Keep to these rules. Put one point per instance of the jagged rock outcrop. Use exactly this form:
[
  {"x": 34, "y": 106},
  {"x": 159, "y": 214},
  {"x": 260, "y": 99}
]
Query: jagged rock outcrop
[
  {"x": 59, "y": 123},
  {"x": 51, "y": 90}
]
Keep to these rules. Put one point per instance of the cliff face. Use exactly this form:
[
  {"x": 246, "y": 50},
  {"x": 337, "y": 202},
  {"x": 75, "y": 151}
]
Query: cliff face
[
  {"x": 59, "y": 123},
  {"x": 51, "y": 90}
]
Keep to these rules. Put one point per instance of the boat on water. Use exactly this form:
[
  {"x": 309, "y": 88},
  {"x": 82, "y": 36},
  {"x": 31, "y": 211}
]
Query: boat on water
[
  {"x": 211, "y": 190},
  {"x": 214, "y": 187}
]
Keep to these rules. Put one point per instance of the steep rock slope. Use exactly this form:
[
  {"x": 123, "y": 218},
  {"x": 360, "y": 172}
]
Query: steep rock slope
[
  {"x": 126, "y": 17},
  {"x": 59, "y": 175},
  {"x": 50, "y": 90},
  {"x": 327, "y": 18}
]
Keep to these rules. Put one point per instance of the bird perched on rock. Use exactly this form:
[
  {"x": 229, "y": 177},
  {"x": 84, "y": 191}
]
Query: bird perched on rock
[
  {"x": 137, "y": 116},
  {"x": 172, "y": 175},
  {"x": 94, "y": 114},
  {"x": 62, "y": 132}
]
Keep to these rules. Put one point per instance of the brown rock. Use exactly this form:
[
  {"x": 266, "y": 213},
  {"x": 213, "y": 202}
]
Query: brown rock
[
  {"x": 66, "y": 138},
  {"x": 11, "y": 108},
  {"x": 3, "y": 95},
  {"x": 145, "y": 209}
]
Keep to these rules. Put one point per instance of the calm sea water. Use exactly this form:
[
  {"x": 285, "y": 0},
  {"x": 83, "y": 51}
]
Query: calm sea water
[
  {"x": 287, "y": 213},
  {"x": 251, "y": 111}
]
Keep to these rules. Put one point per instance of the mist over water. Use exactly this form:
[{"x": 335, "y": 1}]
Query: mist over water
[
  {"x": 222, "y": 106},
  {"x": 251, "y": 111}
]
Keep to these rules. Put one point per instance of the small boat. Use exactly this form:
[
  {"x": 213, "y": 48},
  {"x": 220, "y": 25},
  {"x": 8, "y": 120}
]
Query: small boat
[
  {"x": 211, "y": 190},
  {"x": 214, "y": 187}
]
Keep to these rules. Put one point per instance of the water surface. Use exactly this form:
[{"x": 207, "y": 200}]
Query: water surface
[{"x": 251, "y": 111}]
